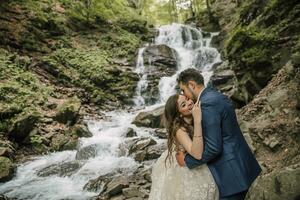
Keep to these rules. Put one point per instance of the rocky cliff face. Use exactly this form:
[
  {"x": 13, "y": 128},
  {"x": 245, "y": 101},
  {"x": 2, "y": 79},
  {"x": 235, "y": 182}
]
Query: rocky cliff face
[{"x": 257, "y": 39}]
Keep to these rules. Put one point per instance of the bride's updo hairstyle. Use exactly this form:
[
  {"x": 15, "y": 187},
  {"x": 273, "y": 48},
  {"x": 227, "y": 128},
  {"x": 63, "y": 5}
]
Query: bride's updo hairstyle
[{"x": 173, "y": 122}]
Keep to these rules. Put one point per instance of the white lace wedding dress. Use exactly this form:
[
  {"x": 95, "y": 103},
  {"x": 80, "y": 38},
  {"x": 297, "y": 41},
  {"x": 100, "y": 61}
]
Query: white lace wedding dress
[{"x": 173, "y": 182}]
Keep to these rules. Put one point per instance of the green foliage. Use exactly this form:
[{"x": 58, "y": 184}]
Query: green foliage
[
  {"x": 248, "y": 46},
  {"x": 120, "y": 43},
  {"x": 21, "y": 91},
  {"x": 108, "y": 11},
  {"x": 19, "y": 88}
]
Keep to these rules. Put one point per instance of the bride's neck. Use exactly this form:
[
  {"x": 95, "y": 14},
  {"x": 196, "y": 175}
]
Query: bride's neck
[{"x": 188, "y": 120}]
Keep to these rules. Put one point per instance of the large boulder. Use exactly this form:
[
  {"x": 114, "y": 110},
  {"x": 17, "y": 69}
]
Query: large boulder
[
  {"x": 7, "y": 169},
  {"x": 99, "y": 184},
  {"x": 141, "y": 144},
  {"x": 64, "y": 169},
  {"x": 60, "y": 142},
  {"x": 87, "y": 152},
  {"x": 152, "y": 119},
  {"x": 278, "y": 185},
  {"x": 162, "y": 57},
  {"x": 68, "y": 112},
  {"x": 23, "y": 126},
  {"x": 159, "y": 61}
]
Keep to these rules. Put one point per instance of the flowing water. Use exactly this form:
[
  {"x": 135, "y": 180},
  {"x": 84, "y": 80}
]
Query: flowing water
[{"x": 38, "y": 179}]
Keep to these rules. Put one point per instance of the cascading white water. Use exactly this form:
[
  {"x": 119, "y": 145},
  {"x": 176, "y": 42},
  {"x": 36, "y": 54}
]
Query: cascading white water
[
  {"x": 142, "y": 84},
  {"x": 193, "y": 51},
  {"x": 108, "y": 134}
]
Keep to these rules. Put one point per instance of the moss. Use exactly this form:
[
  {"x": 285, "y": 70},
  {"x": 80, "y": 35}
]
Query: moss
[
  {"x": 68, "y": 111},
  {"x": 21, "y": 91},
  {"x": 248, "y": 45},
  {"x": 256, "y": 57}
]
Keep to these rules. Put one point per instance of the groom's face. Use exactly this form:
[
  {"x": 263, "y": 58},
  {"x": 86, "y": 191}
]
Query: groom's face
[{"x": 188, "y": 91}]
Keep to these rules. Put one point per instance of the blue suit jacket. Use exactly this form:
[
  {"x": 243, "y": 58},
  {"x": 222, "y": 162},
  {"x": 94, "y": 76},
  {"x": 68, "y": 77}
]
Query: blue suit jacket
[{"x": 226, "y": 152}]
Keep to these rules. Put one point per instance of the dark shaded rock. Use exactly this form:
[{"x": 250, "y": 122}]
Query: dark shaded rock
[
  {"x": 161, "y": 133},
  {"x": 87, "y": 152},
  {"x": 81, "y": 131},
  {"x": 116, "y": 185},
  {"x": 154, "y": 152},
  {"x": 7, "y": 169},
  {"x": 160, "y": 56},
  {"x": 134, "y": 26},
  {"x": 140, "y": 156},
  {"x": 130, "y": 132},
  {"x": 151, "y": 119},
  {"x": 68, "y": 112},
  {"x": 278, "y": 185},
  {"x": 141, "y": 144},
  {"x": 3, "y": 197},
  {"x": 63, "y": 169},
  {"x": 99, "y": 184},
  {"x": 23, "y": 126},
  {"x": 159, "y": 61}
]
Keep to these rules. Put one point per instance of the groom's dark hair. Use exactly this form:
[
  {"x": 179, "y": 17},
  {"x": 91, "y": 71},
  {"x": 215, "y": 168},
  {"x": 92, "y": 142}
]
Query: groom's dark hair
[{"x": 190, "y": 74}]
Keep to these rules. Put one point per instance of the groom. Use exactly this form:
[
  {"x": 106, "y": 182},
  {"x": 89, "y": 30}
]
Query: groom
[{"x": 226, "y": 152}]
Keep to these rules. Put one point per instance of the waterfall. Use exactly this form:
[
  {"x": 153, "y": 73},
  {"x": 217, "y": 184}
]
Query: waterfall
[
  {"x": 42, "y": 177},
  {"x": 194, "y": 52}
]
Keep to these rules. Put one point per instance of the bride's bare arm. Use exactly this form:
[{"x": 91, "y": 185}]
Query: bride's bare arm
[{"x": 193, "y": 147}]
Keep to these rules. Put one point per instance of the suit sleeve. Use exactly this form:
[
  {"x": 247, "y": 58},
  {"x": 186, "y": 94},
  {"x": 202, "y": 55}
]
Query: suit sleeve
[{"x": 211, "y": 124}]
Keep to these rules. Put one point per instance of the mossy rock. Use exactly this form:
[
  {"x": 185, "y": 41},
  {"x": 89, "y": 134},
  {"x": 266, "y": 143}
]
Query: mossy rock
[
  {"x": 81, "y": 131},
  {"x": 68, "y": 112},
  {"x": 23, "y": 125},
  {"x": 6, "y": 169},
  {"x": 61, "y": 142}
]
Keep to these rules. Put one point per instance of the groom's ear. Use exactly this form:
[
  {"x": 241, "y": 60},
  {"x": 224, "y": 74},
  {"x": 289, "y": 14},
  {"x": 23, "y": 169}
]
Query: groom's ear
[{"x": 192, "y": 84}]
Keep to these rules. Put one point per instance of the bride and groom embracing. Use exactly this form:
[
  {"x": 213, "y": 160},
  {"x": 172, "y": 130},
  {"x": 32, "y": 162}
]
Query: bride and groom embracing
[{"x": 204, "y": 136}]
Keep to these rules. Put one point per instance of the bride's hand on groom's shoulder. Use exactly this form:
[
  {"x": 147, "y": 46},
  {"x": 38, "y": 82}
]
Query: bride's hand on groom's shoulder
[
  {"x": 196, "y": 111},
  {"x": 180, "y": 158}
]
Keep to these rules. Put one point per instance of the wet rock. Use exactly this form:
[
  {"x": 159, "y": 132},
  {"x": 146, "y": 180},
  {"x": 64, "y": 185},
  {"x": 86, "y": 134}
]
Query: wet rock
[
  {"x": 99, "y": 184},
  {"x": 63, "y": 169},
  {"x": 140, "y": 156},
  {"x": 7, "y": 169},
  {"x": 278, "y": 185},
  {"x": 161, "y": 133},
  {"x": 3, "y": 197},
  {"x": 154, "y": 152},
  {"x": 160, "y": 55},
  {"x": 87, "y": 152},
  {"x": 130, "y": 132},
  {"x": 152, "y": 119},
  {"x": 141, "y": 144},
  {"x": 116, "y": 185},
  {"x": 81, "y": 131},
  {"x": 159, "y": 61}
]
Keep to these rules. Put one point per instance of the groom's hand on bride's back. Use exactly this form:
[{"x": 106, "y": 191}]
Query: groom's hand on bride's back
[{"x": 180, "y": 158}]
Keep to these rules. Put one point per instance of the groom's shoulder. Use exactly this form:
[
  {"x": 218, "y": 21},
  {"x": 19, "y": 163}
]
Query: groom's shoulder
[{"x": 213, "y": 96}]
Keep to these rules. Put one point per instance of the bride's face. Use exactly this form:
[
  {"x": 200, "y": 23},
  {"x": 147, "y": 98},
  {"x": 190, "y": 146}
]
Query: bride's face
[{"x": 185, "y": 105}]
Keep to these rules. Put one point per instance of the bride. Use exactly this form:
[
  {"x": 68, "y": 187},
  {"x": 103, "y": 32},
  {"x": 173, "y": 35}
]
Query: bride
[{"x": 169, "y": 180}]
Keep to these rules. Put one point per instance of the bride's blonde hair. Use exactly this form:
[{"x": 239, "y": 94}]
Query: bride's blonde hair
[{"x": 173, "y": 122}]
